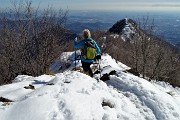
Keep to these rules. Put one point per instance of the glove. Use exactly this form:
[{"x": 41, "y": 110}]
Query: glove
[
  {"x": 75, "y": 39},
  {"x": 98, "y": 57}
]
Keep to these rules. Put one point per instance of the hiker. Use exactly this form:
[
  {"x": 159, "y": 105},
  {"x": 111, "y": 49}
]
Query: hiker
[{"x": 86, "y": 62}]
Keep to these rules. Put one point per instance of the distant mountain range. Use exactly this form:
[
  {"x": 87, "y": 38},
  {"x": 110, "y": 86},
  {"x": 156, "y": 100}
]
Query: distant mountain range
[
  {"x": 77, "y": 23},
  {"x": 165, "y": 25},
  {"x": 78, "y": 26}
]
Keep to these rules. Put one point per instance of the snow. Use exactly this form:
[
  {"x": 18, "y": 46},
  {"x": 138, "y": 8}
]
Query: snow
[
  {"x": 115, "y": 36},
  {"x": 76, "y": 96},
  {"x": 127, "y": 31}
]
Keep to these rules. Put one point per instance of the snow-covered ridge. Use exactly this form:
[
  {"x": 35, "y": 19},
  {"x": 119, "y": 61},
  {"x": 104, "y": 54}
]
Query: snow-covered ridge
[
  {"x": 124, "y": 29},
  {"x": 127, "y": 31},
  {"x": 72, "y": 95}
]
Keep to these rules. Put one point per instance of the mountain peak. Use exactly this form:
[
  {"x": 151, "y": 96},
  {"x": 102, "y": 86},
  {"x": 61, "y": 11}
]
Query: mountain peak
[
  {"x": 118, "y": 27},
  {"x": 126, "y": 28}
]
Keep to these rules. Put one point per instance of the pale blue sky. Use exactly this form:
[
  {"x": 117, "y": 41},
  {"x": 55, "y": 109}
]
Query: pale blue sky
[{"x": 156, "y": 5}]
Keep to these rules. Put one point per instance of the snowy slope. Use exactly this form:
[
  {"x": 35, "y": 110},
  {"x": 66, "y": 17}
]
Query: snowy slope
[
  {"x": 127, "y": 31},
  {"x": 76, "y": 96}
]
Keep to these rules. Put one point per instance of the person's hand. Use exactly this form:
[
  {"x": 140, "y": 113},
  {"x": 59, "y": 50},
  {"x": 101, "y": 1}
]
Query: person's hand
[
  {"x": 98, "y": 57},
  {"x": 75, "y": 39}
]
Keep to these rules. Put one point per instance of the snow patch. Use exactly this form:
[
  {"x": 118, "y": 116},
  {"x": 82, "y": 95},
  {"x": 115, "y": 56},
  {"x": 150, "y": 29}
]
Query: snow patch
[{"x": 72, "y": 95}]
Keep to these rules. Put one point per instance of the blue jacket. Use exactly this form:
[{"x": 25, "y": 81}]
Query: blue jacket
[{"x": 80, "y": 44}]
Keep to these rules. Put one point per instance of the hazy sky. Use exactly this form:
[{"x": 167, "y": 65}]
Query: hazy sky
[{"x": 154, "y": 5}]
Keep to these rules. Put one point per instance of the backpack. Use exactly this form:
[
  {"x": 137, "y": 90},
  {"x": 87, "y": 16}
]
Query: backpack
[{"x": 89, "y": 50}]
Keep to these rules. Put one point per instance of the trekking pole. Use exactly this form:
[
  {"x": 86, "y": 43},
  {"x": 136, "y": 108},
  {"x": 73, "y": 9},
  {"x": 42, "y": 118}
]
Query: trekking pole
[
  {"x": 99, "y": 68},
  {"x": 75, "y": 54},
  {"x": 75, "y": 59},
  {"x": 103, "y": 47}
]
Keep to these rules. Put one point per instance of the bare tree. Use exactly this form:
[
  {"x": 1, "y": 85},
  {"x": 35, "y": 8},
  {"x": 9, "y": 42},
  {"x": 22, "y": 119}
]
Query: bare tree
[
  {"x": 30, "y": 40},
  {"x": 147, "y": 54}
]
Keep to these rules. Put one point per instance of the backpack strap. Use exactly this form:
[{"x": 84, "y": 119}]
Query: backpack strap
[{"x": 89, "y": 43}]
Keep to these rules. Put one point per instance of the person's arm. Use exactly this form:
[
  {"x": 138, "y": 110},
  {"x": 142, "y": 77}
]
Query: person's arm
[{"x": 78, "y": 44}]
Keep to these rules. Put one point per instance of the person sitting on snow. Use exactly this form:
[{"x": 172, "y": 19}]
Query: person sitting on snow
[{"x": 89, "y": 51}]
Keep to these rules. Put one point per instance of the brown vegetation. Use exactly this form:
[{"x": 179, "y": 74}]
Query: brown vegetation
[
  {"x": 147, "y": 54},
  {"x": 29, "y": 42}
]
